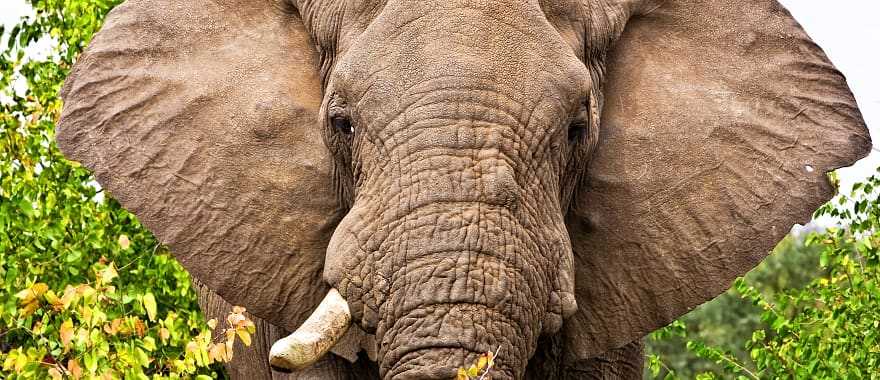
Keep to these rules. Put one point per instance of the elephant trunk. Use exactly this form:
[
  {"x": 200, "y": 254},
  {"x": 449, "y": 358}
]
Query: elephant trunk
[
  {"x": 462, "y": 290},
  {"x": 449, "y": 266}
]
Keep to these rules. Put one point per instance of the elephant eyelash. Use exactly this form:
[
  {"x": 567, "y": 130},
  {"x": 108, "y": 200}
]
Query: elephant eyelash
[
  {"x": 576, "y": 131},
  {"x": 339, "y": 116},
  {"x": 342, "y": 125}
]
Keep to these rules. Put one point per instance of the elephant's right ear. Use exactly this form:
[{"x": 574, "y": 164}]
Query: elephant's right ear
[{"x": 200, "y": 117}]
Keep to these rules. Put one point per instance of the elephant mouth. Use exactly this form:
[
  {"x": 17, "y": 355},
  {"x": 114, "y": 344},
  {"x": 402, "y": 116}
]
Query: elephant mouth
[
  {"x": 438, "y": 362},
  {"x": 404, "y": 355},
  {"x": 432, "y": 342}
]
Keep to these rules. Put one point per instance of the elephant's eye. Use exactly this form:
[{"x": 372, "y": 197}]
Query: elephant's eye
[
  {"x": 342, "y": 124},
  {"x": 576, "y": 131}
]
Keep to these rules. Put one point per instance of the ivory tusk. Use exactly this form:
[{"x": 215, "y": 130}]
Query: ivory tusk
[{"x": 315, "y": 337}]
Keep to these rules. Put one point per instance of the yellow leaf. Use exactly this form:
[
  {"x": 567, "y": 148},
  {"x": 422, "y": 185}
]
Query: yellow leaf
[
  {"x": 85, "y": 290},
  {"x": 212, "y": 352},
  {"x": 230, "y": 335},
  {"x": 234, "y": 318},
  {"x": 483, "y": 361},
  {"x": 229, "y": 349},
  {"x": 108, "y": 274},
  {"x": 150, "y": 305},
  {"x": 473, "y": 371},
  {"x": 139, "y": 327},
  {"x": 11, "y": 358},
  {"x": 82, "y": 336},
  {"x": 25, "y": 295},
  {"x": 30, "y": 295},
  {"x": 39, "y": 288},
  {"x": 245, "y": 336},
  {"x": 249, "y": 325},
  {"x": 29, "y": 308},
  {"x": 54, "y": 373},
  {"x": 74, "y": 369},
  {"x": 53, "y": 299},
  {"x": 86, "y": 314},
  {"x": 149, "y": 343},
  {"x": 67, "y": 298},
  {"x": 462, "y": 374},
  {"x": 20, "y": 361},
  {"x": 164, "y": 334},
  {"x": 113, "y": 327},
  {"x": 124, "y": 242},
  {"x": 238, "y": 309},
  {"x": 218, "y": 353},
  {"x": 66, "y": 333},
  {"x": 212, "y": 323}
]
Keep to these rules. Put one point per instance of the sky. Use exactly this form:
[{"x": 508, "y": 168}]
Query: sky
[
  {"x": 11, "y": 11},
  {"x": 848, "y": 31}
]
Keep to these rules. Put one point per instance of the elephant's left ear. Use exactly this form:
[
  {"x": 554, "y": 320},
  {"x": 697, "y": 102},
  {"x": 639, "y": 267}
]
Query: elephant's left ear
[
  {"x": 199, "y": 116},
  {"x": 721, "y": 119}
]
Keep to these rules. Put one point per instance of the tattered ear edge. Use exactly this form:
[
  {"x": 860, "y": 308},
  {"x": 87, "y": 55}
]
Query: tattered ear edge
[
  {"x": 193, "y": 115},
  {"x": 664, "y": 180}
]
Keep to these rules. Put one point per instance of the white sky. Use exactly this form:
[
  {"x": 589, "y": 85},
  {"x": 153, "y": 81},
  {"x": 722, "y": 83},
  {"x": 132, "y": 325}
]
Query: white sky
[
  {"x": 848, "y": 30},
  {"x": 11, "y": 11}
]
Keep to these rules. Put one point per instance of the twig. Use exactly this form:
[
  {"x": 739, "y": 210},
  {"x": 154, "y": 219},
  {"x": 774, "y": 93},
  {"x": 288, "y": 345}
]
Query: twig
[{"x": 494, "y": 356}]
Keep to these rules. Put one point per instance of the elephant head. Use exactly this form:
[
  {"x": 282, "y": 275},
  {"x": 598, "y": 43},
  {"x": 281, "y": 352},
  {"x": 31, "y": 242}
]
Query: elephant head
[{"x": 457, "y": 176}]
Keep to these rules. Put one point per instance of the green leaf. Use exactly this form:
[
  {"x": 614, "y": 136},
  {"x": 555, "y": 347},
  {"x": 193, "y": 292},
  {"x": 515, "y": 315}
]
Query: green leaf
[
  {"x": 149, "y": 343},
  {"x": 150, "y": 305},
  {"x": 91, "y": 362},
  {"x": 53, "y": 231}
]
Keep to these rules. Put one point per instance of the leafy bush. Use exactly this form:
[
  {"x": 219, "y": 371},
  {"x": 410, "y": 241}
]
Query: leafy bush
[
  {"x": 826, "y": 328},
  {"x": 87, "y": 292}
]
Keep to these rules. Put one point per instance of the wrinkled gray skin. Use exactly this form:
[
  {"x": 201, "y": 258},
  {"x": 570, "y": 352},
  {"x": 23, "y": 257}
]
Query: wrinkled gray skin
[
  {"x": 471, "y": 121},
  {"x": 458, "y": 136}
]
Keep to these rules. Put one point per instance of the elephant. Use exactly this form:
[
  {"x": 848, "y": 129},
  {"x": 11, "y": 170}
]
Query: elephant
[{"x": 393, "y": 187}]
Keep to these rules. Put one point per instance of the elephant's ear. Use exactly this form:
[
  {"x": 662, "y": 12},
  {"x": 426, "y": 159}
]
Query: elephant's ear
[
  {"x": 199, "y": 116},
  {"x": 721, "y": 119}
]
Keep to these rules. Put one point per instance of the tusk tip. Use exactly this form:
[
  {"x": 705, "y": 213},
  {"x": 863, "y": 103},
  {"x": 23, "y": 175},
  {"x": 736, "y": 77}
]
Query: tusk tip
[
  {"x": 315, "y": 337},
  {"x": 286, "y": 355}
]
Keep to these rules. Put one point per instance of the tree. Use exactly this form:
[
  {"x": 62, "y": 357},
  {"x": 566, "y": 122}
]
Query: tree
[
  {"x": 825, "y": 325},
  {"x": 87, "y": 291}
]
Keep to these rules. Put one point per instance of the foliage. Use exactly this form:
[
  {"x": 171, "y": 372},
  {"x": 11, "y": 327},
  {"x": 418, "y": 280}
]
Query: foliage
[
  {"x": 826, "y": 328},
  {"x": 87, "y": 291},
  {"x": 481, "y": 369},
  {"x": 724, "y": 321},
  {"x": 87, "y": 330}
]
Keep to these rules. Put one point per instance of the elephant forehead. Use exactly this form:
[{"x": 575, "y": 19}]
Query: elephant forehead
[
  {"x": 461, "y": 41},
  {"x": 510, "y": 42}
]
